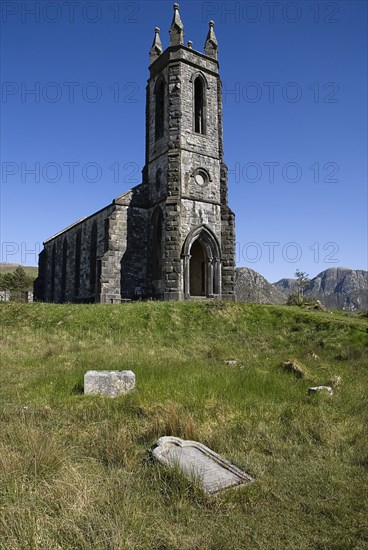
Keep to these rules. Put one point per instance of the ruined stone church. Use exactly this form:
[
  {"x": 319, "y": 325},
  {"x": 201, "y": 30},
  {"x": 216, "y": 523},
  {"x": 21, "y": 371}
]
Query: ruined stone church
[{"x": 172, "y": 237}]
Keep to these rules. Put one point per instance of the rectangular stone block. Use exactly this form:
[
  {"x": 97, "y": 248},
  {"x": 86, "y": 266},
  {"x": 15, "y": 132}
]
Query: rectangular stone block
[{"x": 111, "y": 383}]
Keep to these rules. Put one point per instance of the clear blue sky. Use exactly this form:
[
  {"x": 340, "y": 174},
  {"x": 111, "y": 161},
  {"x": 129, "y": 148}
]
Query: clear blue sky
[{"x": 295, "y": 121}]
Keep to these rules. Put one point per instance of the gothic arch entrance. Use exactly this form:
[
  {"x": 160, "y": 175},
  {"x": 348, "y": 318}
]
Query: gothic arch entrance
[
  {"x": 198, "y": 269},
  {"x": 201, "y": 260}
]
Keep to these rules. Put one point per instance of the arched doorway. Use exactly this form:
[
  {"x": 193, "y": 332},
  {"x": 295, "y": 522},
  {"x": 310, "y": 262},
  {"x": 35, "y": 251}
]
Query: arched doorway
[
  {"x": 198, "y": 269},
  {"x": 201, "y": 263}
]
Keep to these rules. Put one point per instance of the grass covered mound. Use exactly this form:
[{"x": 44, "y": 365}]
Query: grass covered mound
[{"x": 76, "y": 472}]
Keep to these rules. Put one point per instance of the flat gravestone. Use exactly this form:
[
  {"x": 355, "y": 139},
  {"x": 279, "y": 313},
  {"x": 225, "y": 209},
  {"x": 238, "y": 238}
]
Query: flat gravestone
[
  {"x": 198, "y": 463},
  {"x": 111, "y": 383}
]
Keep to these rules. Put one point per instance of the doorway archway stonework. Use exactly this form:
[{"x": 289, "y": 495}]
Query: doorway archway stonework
[{"x": 207, "y": 280}]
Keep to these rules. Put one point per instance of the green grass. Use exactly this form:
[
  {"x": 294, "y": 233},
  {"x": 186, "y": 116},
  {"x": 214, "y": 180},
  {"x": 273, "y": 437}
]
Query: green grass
[{"x": 76, "y": 471}]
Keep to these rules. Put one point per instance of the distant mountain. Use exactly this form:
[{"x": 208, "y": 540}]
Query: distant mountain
[
  {"x": 251, "y": 287},
  {"x": 286, "y": 286},
  {"x": 341, "y": 288},
  {"x": 336, "y": 287}
]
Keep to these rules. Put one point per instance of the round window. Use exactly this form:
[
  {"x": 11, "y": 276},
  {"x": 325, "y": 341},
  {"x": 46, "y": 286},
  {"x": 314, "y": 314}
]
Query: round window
[{"x": 200, "y": 177}]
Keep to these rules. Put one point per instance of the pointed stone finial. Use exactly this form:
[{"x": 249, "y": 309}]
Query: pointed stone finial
[
  {"x": 177, "y": 28},
  {"x": 190, "y": 44},
  {"x": 156, "y": 49},
  {"x": 211, "y": 45}
]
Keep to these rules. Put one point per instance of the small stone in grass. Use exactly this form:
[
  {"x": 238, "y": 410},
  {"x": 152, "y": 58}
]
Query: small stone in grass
[
  {"x": 294, "y": 368},
  {"x": 317, "y": 389}
]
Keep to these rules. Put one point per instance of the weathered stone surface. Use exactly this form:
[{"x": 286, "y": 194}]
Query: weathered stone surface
[
  {"x": 200, "y": 464},
  {"x": 317, "y": 389},
  {"x": 111, "y": 383}
]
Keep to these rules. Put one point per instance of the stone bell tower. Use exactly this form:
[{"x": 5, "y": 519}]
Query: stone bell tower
[{"x": 191, "y": 238}]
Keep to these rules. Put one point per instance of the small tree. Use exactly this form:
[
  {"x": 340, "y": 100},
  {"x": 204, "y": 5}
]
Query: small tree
[
  {"x": 20, "y": 279},
  {"x": 293, "y": 300},
  {"x": 301, "y": 281},
  {"x": 6, "y": 281},
  {"x": 17, "y": 282}
]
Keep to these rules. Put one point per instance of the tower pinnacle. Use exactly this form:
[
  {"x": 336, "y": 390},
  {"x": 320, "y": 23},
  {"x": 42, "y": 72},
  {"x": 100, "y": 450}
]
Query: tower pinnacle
[
  {"x": 177, "y": 28},
  {"x": 211, "y": 45},
  {"x": 156, "y": 49}
]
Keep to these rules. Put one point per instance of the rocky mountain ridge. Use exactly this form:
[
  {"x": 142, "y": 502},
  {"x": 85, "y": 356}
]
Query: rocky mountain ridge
[
  {"x": 340, "y": 288},
  {"x": 336, "y": 287},
  {"x": 251, "y": 287}
]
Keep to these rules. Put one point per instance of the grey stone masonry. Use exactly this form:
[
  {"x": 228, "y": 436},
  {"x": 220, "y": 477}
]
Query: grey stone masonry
[
  {"x": 110, "y": 383},
  {"x": 173, "y": 236}
]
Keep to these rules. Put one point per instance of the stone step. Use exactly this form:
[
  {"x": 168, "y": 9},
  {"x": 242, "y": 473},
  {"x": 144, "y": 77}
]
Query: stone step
[{"x": 200, "y": 299}]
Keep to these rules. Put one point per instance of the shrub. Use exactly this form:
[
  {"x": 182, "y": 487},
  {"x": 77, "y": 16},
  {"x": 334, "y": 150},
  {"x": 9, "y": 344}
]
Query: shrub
[{"x": 294, "y": 300}]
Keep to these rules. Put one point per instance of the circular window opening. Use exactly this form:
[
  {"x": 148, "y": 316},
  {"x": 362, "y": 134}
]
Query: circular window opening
[{"x": 201, "y": 177}]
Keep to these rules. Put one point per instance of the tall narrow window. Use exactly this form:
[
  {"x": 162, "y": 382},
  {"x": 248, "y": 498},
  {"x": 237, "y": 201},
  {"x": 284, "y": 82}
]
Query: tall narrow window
[
  {"x": 93, "y": 257},
  {"x": 64, "y": 269},
  {"x": 78, "y": 246},
  {"x": 52, "y": 278},
  {"x": 199, "y": 106},
  {"x": 159, "y": 109},
  {"x": 158, "y": 179},
  {"x": 107, "y": 234}
]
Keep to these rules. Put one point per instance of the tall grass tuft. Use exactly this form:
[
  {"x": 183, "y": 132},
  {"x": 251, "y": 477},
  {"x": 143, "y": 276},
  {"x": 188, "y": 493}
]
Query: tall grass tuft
[{"x": 170, "y": 418}]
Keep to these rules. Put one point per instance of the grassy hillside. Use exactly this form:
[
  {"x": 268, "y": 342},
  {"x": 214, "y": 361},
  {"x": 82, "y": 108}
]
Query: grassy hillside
[
  {"x": 76, "y": 473},
  {"x": 10, "y": 268}
]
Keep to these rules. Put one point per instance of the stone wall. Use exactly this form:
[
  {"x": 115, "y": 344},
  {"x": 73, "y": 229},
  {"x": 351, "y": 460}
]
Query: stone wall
[
  {"x": 102, "y": 258},
  {"x": 16, "y": 295},
  {"x": 5, "y": 295},
  {"x": 69, "y": 266}
]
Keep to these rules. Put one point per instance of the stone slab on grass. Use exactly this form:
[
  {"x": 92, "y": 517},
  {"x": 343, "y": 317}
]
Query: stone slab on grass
[
  {"x": 199, "y": 464},
  {"x": 317, "y": 389},
  {"x": 111, "y": 383}
]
